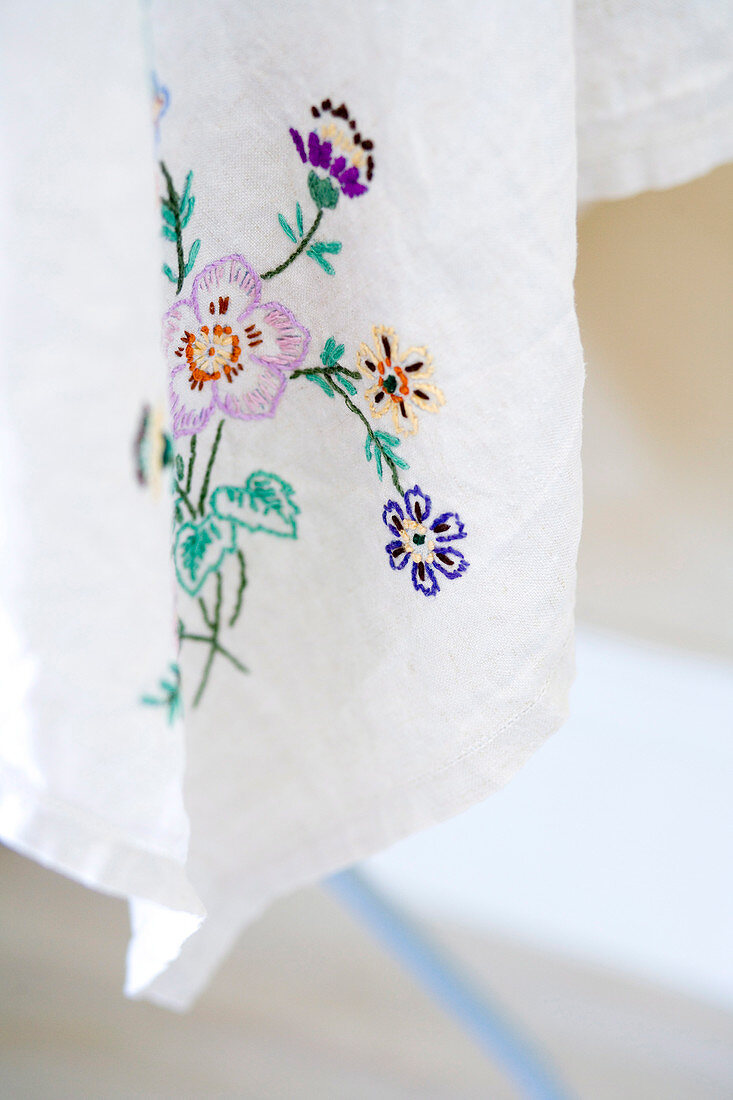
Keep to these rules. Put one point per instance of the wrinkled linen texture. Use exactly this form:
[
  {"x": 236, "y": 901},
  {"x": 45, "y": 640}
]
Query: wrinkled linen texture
[{"x": 368, "y": 709}]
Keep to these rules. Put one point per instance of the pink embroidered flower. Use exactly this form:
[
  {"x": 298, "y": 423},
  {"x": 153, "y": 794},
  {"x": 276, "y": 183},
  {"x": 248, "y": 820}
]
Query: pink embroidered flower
[{"x": 226, "y": 350}]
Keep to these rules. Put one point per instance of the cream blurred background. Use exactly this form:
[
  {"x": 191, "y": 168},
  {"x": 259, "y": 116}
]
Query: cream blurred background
[
  {"x": 593, "y": 896},
  {"x": 654, "y": 292}
]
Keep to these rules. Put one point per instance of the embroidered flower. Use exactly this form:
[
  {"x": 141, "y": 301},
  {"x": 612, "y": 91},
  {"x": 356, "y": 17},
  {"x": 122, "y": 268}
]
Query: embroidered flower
[
  {"x": 227, "y": 350},
  {"x": 336, "y": 146},
  {"x": 428, "y": 546},
  {"x": 399, "y": 380},
  {"x": 153, "y": 449},
  {"x": 161, "y": 103}
]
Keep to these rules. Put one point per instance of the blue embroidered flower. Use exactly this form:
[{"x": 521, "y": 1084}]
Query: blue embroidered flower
[
  {"x": 161, "y": 103},
  {"x": 336, "y": 146},
  {"x": 429, "y": 546}
]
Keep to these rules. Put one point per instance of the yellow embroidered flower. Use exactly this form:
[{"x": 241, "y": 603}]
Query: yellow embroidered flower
[{"x": 399, "y": 380}]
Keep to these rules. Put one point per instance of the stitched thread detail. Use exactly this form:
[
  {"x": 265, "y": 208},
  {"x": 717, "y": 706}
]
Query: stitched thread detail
[
  {"x": 398, "y": 381},
  {"x": 170, "y": 695},
  {"x": 231, "y": 354},
  {"x": 177, "y": 210},
  {"x": 427, "y": 546}
]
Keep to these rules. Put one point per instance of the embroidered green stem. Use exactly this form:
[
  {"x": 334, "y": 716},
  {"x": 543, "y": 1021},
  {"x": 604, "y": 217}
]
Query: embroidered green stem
[
  {"x": 209, "y": 468},
  {"x": 373, "y": 437},
  {"x": 325, "y": 372},
  {"x": 213, "y": 622},
  {"x": 177, "y": 210},
  {"x": 205, "y": 613},
  {"x": 214, "y": 641},
  {"x": 329, "y": 377},
  {"x": 240, "y": 589},
  {"x": 297, "y": 251},
  {"x": 186, "y": 637},
  {"x": 191, "y": 461},
  {"x": 183, "y": 495}
]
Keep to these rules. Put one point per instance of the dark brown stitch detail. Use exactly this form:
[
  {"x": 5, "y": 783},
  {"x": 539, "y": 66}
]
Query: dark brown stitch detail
[{"x": 412, "y": 367}]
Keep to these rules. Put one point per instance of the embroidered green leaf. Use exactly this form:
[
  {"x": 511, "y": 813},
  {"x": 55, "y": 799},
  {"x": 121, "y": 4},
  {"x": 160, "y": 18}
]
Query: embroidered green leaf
[
  {"x": 187, "y": 211},
  {"x": 192, "y": 257},
  {"x": 186, "y": 189},
  {"x": 387, "y": 443},
  {"x": 333, "y": 247},
  {"x": 180, "y": 468},
  {"x": 170, "y": 696},
  {"x": 320, "y": 381},
  {"x": 384, "y": 445},
  {"x": 177, "y": 210},
  {"x": 265, "y": 503},
  {"x": 322, "y": 191},
  {"x": 199, "y": 550},
  {"x": 299, "y": 218},
  {"x": 348, "y": 386},
  {"x": 332, "y": 353},
  {"x": 286, "y": 228},
  {"x": 315, "y": 255}
]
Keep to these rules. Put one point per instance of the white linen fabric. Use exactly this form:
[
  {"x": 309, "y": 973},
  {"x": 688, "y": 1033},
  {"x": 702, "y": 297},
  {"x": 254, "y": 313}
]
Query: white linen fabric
[{"x": 332, "y": 702}]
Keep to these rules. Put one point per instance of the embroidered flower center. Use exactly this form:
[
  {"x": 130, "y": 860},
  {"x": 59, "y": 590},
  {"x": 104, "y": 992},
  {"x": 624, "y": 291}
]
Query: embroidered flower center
[
  {"x": 211, "y": 353},
  {"x": 343, "y": 143},
  {"x": 215, "y": 350},
  {"x": 395, "y": 385},
  {"x": 417, "y": 542}
]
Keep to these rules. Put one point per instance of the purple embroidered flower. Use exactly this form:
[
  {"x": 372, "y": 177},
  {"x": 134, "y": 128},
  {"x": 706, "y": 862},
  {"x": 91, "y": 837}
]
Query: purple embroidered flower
[
  {"x": 227, "y": 350},
  {"x": 428, "y": 545},
  {"x": 336, "y": 146}
]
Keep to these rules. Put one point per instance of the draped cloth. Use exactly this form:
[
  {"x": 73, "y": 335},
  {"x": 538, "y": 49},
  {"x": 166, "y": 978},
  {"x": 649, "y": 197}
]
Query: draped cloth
[{"x": 292, "y": 421}]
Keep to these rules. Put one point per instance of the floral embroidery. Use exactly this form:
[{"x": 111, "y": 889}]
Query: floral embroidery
[
  {"x": 152, "y": 450},
  {"x": 160, "y": 104},
  {"x": 230, "y": 354},
  {"x": 227, "y": 350},
  {"x": 428, "y": 546},
  {"x": 170, "y": 696},
  {"x": 398, "y": 380},
  {"x": 177, "y": 210},
  {"x": 209, "y": 534},
  {"x": 335, "y": 144}
]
